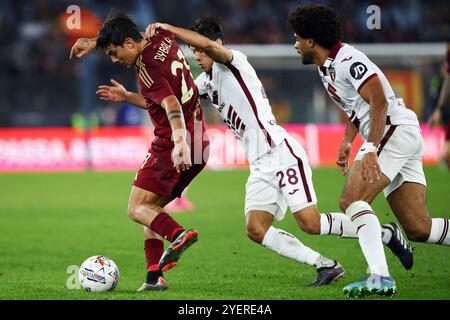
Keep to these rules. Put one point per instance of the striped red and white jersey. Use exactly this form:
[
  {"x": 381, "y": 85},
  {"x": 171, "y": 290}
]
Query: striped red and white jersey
[
  {"x": 239, "y": 96},
  {"x": 345, "y": 71}
]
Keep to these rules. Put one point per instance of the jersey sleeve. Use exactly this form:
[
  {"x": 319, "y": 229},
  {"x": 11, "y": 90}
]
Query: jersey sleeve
[
  {"x": 239, "y": 58},
  {"x": 157, "y": 84},
  {"x": 358, "y": 71}
]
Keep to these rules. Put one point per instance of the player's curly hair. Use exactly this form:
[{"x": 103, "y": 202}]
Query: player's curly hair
[
  {"x": 208, "y": 27},
  {"x": 115, "y": 29},
  {"x": 318, "y": 22}
]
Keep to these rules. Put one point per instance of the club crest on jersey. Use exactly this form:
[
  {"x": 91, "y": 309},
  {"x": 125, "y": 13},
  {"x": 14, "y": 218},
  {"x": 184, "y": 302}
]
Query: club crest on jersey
[
  {"x": 358, "y": 70},
  {"x": 332, "y": 72}
]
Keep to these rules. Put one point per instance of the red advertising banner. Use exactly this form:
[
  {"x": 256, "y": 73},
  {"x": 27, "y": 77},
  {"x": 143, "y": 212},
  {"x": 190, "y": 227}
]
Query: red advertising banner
[{"x": 124, "y": 148}]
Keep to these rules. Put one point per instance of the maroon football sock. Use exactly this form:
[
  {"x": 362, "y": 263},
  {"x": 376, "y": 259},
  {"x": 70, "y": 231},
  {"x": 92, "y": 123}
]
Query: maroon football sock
[
  {"x": 154, "y": 249},
  {"x": 165, "y": 226}
]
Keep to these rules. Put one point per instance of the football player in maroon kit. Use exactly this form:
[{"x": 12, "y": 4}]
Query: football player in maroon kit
[{"x": 180, "y": 148}]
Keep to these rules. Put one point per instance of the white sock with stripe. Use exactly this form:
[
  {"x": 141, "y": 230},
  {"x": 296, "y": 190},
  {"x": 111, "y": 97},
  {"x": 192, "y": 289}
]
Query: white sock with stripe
[
  {"x": 289, "y": 246},
  {"x": 337, "y": 224},
  {"x": 341, "y": 225},
  {"x": 369, "y": 234},
  {"x": 439, "y": 231}
]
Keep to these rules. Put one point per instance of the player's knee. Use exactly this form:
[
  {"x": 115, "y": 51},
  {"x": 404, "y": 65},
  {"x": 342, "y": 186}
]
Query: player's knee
[
  {"x": 133, "y": 212},
  {"x": 418, "y": 234},
  {"x": 136, "y": 212},
  {"x": 256, "y": 233}
]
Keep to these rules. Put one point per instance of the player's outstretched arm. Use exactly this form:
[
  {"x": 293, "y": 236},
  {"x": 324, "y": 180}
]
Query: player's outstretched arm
[
  {"x": 213, "y": 49},
  {"x": 118, "y": 93},
  {"x": 181, "y": 153},
  {"x": 82, "y": 47}
]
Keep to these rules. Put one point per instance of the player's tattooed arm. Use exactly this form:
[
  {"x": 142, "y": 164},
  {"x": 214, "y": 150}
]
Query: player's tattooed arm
[
  {"x": 214, "y": 49},
  {"x": 181, "y": 154},
  {"x": 82, "y": 47}
]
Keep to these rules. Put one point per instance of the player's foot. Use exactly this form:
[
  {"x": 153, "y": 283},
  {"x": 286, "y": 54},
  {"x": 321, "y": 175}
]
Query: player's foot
[
  {"x": 326, "y": 275},
  {"x": 159, "y": 285},
  {"x": 399, "y": 246},
  {"x": 172, "y": 254},
  {"x": 375, "y": 284}
]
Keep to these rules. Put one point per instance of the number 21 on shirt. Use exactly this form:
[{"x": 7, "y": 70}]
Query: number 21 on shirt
[{"x": 186, "y": 93}]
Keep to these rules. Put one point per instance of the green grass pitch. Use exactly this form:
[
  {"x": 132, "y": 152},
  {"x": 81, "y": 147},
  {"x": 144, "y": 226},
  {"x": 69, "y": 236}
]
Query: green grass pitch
[{"x": 49, "y": 222}]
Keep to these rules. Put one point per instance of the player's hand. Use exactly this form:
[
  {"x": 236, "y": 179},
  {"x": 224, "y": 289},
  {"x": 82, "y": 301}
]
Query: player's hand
[
  {"x": 343, "y": 156},
  {"x": 434, "y": 119},
  {"x": 371, "y": 167},
  {"x": 82, "y": 47},
  {"x": 152, "y": 28},
  {"x": 181, "y": 156},
  {"x": 114, "y": 93}
]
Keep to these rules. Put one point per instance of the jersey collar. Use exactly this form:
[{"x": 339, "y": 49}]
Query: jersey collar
[{"x": 332, "y": 55}]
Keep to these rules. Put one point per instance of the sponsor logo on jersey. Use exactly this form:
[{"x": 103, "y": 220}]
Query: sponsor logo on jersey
[{"x": 358, "y": 70}]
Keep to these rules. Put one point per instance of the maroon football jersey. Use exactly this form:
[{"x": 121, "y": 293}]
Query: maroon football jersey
[{"x": 163, "y": 71}]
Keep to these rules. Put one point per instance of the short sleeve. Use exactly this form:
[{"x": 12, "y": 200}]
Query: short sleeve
[
  {"x": 358, "y": 71},
  {"x": 238, "y": 58}
]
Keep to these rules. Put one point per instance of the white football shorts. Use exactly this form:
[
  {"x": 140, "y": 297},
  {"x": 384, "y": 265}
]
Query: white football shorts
[
  {"x": 280, "y": 178},
  {"x": 400, "y": 156}
]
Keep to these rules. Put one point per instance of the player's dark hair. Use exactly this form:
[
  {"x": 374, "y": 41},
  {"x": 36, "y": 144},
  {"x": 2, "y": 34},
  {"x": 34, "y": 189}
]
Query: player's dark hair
[
  {"x": 208, "y": 27},
  {"x": 318, "y": 22},
  {"x": 115, "y": 29}
]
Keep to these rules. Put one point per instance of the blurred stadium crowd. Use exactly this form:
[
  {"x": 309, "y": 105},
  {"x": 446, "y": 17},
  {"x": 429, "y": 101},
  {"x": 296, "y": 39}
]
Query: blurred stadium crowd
[{"x": 40, "y": 87}]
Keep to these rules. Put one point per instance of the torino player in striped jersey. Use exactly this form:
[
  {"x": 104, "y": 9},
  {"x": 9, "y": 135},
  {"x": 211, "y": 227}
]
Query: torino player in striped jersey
[
  {"x": 279, "y": 172},
  {"x": 390, "y": 158}
]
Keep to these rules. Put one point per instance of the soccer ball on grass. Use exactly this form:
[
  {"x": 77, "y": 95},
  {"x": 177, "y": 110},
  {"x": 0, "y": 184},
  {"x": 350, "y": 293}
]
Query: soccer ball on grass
[{"x": 98, "y": 274}]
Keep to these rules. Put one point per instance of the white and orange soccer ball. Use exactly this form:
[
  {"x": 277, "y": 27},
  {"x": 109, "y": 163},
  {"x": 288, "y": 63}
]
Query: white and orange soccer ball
[{"x": 98, "y": 274}]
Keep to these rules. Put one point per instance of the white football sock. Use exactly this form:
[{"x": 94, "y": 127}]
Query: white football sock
[
  {"x": 288, "y": 246},
  {"x": 439, "y": 231},
  {"x": 369, "y": 233},
  {"x": 337, "y": 224}
]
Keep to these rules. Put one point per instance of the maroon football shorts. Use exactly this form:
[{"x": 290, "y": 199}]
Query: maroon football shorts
[{"x": 158, "y": 175}]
